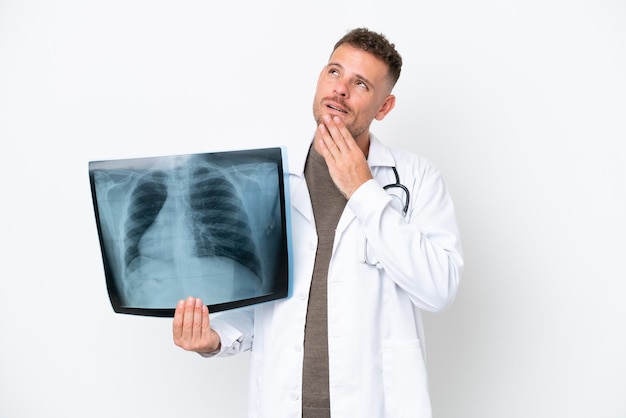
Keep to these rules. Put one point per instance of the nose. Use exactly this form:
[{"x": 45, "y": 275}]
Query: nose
[{"x": 341, "y": 88}]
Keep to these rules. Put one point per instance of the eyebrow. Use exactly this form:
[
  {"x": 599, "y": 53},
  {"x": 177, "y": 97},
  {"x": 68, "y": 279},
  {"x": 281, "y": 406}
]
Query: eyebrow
[{"x": 336, "y": 64}]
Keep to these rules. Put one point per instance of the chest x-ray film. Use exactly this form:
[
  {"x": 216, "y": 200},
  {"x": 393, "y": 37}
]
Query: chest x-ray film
[{"x": 214, "y": 226}]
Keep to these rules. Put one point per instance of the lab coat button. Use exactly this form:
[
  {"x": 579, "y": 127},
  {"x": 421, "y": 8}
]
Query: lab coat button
[{"x": 295, "y": 396}]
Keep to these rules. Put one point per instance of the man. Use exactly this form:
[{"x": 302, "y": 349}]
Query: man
[{"x": 375, "y": 241}]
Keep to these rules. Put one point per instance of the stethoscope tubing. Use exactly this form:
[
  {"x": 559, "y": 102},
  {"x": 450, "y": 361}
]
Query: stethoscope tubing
[{"x": 405, "y": 209}]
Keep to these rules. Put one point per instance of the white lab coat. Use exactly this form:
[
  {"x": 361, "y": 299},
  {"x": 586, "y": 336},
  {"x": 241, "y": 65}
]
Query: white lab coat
[{"x": 375, "y": 334}]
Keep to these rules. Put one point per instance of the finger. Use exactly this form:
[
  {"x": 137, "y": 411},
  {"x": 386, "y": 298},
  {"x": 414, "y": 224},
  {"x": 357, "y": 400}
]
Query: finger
[
  {"x": 338, "y": 132},
  {"x": 206, "y": 324},
  {"x": 346, "y": 137},
  {"x": 329, "y": 135},
  {"x": 177, "y": 325},
  {"x": 324, "y": 143},
  {"x": 197, "y": 321},
  {"x": 188, "y": 313}
]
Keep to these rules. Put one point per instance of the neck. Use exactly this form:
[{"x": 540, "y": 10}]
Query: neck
[{"x": 363, "y": 142}]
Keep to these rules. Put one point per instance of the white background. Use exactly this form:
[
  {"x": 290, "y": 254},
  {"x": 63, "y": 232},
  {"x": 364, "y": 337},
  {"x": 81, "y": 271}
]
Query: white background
[{"x": 521, "y": 104}]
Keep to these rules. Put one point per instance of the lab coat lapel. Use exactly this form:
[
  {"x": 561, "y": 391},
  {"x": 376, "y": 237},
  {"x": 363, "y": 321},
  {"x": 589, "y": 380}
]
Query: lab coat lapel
[
  {"x": 346, "y": 217},
  {"x": 300, "y": 199}
]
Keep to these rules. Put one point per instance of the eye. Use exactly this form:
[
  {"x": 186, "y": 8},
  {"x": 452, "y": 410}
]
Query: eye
[{"x": 362, "y": 84}]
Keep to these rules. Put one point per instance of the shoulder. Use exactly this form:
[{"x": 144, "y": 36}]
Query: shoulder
[{"x": 406, "y": 161}]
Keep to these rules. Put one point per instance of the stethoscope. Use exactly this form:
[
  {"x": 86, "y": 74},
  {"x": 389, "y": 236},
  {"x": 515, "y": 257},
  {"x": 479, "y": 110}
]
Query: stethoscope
[
  {"x": 405, "y": 209},
  {"x": 407, "y": 196}
]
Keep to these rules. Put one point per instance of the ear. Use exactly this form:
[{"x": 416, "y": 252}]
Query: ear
[{"x": 388, "y": 104}]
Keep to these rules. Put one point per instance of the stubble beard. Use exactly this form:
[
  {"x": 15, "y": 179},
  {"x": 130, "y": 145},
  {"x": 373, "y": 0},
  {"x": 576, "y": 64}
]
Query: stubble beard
[{"x": 355, "y": 131}]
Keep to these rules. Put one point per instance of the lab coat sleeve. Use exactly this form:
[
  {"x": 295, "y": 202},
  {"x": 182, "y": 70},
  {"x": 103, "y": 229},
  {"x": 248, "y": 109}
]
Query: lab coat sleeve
[
  {"x": 421, "y": 253},
  {"x": 236, "y": 331}
]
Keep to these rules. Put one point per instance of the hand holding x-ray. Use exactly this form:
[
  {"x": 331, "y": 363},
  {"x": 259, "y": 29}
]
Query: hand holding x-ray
[{"x": 192, "y": 327}]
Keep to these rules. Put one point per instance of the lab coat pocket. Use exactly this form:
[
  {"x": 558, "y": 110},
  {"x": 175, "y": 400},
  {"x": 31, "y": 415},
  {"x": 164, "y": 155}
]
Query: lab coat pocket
[{"x": 404, "y": 380}]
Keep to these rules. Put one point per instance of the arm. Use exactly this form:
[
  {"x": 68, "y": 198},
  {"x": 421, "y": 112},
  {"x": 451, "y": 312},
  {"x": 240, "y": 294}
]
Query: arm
[{"x": 422, "y": 255}]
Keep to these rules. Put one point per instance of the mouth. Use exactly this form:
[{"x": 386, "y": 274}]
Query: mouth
[{"x": 337, "y": 108}]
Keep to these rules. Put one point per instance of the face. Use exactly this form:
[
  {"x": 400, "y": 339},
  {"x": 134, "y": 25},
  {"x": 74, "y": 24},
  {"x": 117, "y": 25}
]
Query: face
[{"x": 354, "y": 86}]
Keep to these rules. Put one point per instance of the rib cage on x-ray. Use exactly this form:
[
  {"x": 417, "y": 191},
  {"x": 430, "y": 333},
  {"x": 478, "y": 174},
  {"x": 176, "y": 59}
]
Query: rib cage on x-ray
[
  {"x": 197, "y": 216},
  {"x": 222, "y": 224},
  {"x": 145, "y": 203}
]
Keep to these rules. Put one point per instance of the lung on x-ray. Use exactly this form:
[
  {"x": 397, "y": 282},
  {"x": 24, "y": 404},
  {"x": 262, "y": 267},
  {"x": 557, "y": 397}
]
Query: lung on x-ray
[{"x": 213, "y": 225}]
